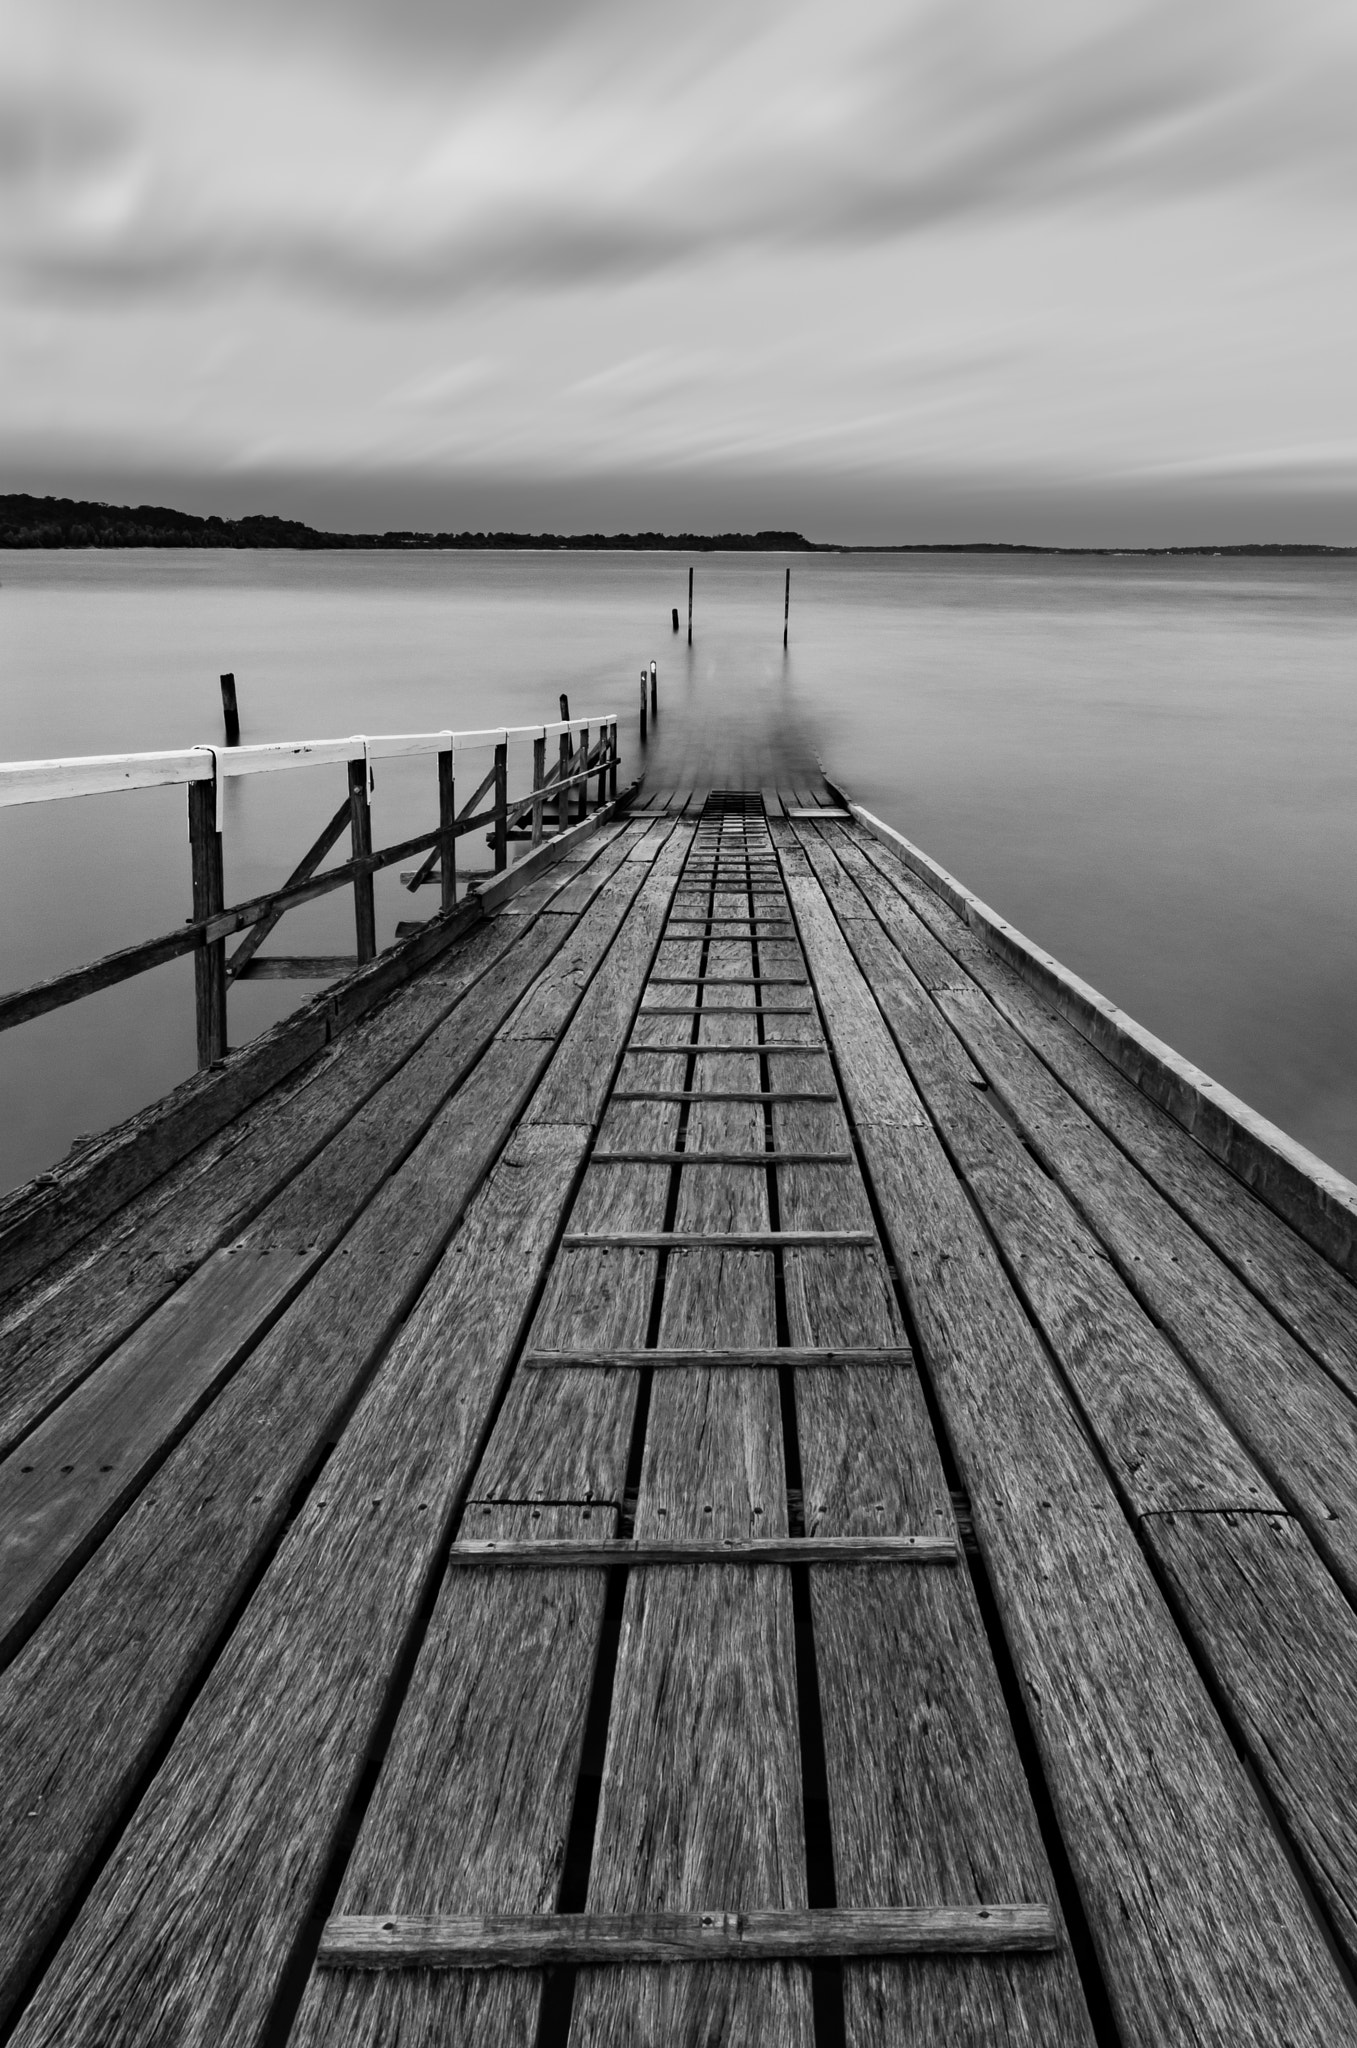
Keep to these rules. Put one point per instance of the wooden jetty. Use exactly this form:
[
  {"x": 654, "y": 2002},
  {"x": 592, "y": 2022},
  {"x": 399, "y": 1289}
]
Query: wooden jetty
[{"x": 738, "y": 1459}]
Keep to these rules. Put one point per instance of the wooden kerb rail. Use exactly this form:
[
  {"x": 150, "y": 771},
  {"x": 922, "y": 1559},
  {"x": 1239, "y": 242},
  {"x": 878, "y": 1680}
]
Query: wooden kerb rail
[
  {"x": 531, "y": 1941},
  {"x": 205, "y": 769}
]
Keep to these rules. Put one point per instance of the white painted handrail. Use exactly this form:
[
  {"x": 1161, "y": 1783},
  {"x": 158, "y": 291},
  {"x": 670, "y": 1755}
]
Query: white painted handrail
[{"x": 40, "y": 782}]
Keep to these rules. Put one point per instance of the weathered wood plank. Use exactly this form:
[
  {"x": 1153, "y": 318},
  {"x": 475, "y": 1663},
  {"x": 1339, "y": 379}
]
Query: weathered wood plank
[
  {"x": 1281, "y": 1643},
  {"x": 1202, "y": 1932},
  {"x": 724, "y": 1550},
  {"x": 811, "y": 1356},
  {"x": 242, "y": 1815},
  {"x": 1165, "y": 1441},
  {"x": 927, "y": 1797},
  {"x": 170, "y": 1572},
  {"x": 63, "y": 1326},
  {"x": 527, "y": 1941},
  {"x": 1297, "y": 1424},
  {"x": 703, "y": 1732}
]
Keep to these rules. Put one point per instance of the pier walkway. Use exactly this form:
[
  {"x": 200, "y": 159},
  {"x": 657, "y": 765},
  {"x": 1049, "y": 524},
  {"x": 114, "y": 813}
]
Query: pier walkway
[{"x": 711, "y": 1473}]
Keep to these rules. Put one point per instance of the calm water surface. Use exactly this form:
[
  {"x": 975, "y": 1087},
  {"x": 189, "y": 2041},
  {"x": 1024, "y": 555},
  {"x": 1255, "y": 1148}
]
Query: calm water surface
[{"x": 1150, "y": 768}]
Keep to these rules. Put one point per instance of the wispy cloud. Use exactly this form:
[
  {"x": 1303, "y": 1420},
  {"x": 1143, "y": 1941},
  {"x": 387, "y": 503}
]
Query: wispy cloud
[{"x": 908, "y": 235}]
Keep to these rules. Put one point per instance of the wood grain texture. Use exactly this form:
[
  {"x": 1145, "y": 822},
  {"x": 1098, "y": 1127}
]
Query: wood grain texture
[
  {"x": 185, "y": 1551},
  {"x": 87, "y": 1701},
  {"x": 927, "y": 1796},
  {"x": 1280, "y": 1641},
  {"x": 700, "y": 1798},
  {"x": 472, "y": 1807},
  {"x": 1163, "y": 1438},
  {"x": 488, "y": 1552},
  {"x": 1297, "y": 1424},
  {"x": 526, "y": 1941},
  {"x": 1202, "y": 1933},
  {"x": 294, "y": 1181},
  {"x": 246, "y": 1807}
]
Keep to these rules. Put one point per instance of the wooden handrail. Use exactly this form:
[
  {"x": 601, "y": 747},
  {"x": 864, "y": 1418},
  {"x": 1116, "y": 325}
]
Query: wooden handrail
[
  {"x": 35, "y": 782},
  {"x": 214, "y": 921}
]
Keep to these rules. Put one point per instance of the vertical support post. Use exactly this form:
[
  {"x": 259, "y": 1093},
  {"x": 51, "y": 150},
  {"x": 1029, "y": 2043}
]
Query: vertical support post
[
  {"x": 612, "y": 763},
  {"x": 690, "y": 607},
  {"x": 563, "y": 796},
  {"x": 644, "y": 701},
  {"x": 583, "y": 811},
  {"x": 786, "y": 605},
  {"x": 501, "y": 806},
  {"x": 654, "y": 688},
  {"x": 360, "y": 838},
  {"x": 602, "y": 796},
  {"x": 539, "y": 776},
  {"x": 447, "y": 817},
  {"x": 229, "y": 713},
  {"x": 209, "y": 961}
]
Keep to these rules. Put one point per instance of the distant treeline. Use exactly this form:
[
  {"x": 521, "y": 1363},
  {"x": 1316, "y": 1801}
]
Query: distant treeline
[{"x": 28, "y": 522}]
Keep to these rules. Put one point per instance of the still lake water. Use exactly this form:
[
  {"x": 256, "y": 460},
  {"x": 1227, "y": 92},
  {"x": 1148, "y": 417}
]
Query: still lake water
[{"x": 1150, "y": 768}]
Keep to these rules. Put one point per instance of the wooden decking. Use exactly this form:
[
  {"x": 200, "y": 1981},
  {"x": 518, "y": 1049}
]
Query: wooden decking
[{"x": 722, "y": 1190}]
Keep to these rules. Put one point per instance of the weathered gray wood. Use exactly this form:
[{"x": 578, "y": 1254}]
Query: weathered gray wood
[
  {"x": 209, "y": 959},
  {"x": 1308, "y": 1193},
  {"x": 1316, "y": 1302},
  {"x": 492, "y": 1727},
  {"x": 1298, "y": 1425},
  {"x": 722, "y": 1095},
  {"x": 725, "y": 1051},
  {"x": 703, "y": 1732},
  {"x": 926, "y": 1793},
  {"x": 712, "y": 1240},
  {"x": 1165, "y": 1441},
  {"x": 244, "y": 1811},
  {"x": 768, "y": 1158},
  {"x": 527, "y": 1941},
  {"x": 724, "y": 1550},
  {"x": 181, "y": 1563},
  {"x": 313, "y": 1208},
  {"x": 58, "y": 1327},
  {"x": 892, "y": 1356},
  {"x": 1280, "y": 1642},
  {"x": 61, "y": 1491},
  {"x": 298, "y": 967},
  {"x": 1202, "y": 1932}
]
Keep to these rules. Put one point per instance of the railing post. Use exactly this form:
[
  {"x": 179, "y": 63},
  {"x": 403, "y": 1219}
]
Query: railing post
[
  {"x": 654, "y": 687},
  {"x": 563, "y": 800},
  {"x": 602, "y": 796},
  {"x": 447, "y": 817},
  {"x": 583, "y": 810},
  {"x": 209, "y": 897},
  {"x": 644, "y": 701},
  {"x": 539, "y": 776},
  {"x": 501, "y": 806},
  {"x": 612, "y": 764},
  {"x": 360, "y": 836}
]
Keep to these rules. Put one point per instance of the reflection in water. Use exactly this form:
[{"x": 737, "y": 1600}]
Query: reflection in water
[{"x": 1149, "y": 767}]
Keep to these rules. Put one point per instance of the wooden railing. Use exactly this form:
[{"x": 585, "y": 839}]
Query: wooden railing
[{"x": 546, "y": 807}]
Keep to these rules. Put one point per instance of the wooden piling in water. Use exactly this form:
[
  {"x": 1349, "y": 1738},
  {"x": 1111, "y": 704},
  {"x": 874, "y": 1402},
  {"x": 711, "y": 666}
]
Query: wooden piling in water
[
  {"x": 644, "y": 702},
  {"x": 654, "y": 688},
  {"x": 360, "y": 831},
  {"x": 229, "y": 712},
  {"x": 209, "y": 960},
  {"x": 786, "y": 606},
  {"x": 690, "y": 607},
  {"x": 447, "y": 817}
]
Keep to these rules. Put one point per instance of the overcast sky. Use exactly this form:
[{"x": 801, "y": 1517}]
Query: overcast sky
[{"x": 877, "y": 269}]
